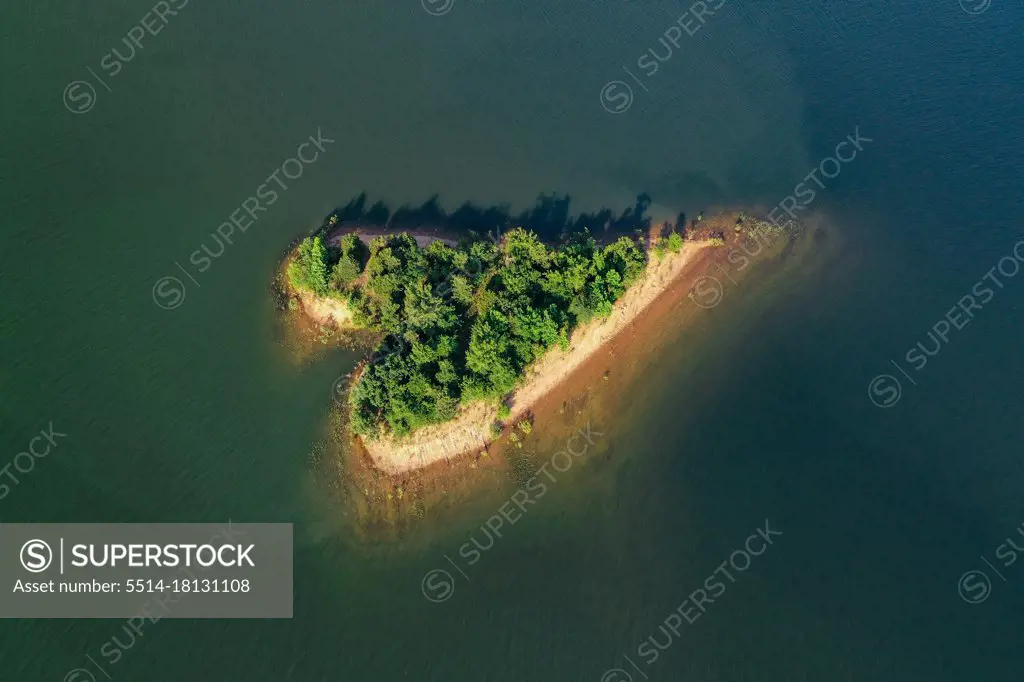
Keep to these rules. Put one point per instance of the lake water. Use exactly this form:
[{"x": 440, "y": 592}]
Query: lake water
[{"x": 760, "y": 410}]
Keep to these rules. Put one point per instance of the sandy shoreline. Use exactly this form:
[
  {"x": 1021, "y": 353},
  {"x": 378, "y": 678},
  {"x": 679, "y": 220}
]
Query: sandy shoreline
[{"x": 470, "y": 431}]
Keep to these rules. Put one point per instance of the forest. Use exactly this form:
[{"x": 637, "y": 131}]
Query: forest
[{"x": 460, "y": 323}]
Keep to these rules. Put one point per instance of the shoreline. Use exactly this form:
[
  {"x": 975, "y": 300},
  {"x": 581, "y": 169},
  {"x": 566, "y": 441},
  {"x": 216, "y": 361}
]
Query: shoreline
[
  {"x": 424, "y": 236},
  {"x": 469, "y": 433}
]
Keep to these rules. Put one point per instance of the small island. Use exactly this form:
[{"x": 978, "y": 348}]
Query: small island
[{"x": 475, "y": 328}]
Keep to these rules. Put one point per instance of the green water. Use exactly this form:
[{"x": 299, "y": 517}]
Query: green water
[{"x": 757, "y": 411}]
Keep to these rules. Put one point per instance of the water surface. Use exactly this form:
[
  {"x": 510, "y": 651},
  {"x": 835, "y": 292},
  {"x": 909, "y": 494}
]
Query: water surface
[{"x": 759, "y": 411}]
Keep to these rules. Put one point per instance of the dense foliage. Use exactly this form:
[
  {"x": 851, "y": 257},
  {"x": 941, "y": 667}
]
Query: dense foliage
[
  {"x": 463, "y": 323},
  {"x": 309, "y": 267},
  {"x": 349, "y": 264},
  {"x": 327, "y": 271}
]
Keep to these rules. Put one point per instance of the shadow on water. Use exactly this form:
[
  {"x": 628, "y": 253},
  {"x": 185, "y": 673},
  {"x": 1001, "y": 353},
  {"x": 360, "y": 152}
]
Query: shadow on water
[{"x": 550, "y": 217}]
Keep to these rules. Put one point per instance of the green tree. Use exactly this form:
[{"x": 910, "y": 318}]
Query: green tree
[
  {"x": 309, "y": 268},
  {"x": 463, "y": 324}
]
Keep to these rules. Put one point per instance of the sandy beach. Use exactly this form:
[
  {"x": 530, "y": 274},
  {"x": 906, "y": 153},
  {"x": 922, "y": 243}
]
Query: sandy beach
[{"x": 470, "y": 431}]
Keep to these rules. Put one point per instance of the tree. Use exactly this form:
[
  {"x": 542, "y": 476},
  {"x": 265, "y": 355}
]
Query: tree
[
  {"x": 463, "y": 324},
  {"x": 351, "y": 255},
  {"x": 308, "y": 270}
]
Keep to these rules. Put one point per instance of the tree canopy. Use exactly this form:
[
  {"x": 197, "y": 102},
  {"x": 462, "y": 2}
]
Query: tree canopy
[{"x": 464, "y": 323}]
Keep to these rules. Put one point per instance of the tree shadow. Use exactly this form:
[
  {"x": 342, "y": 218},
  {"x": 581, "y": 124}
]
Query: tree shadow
[{"x": 550, "y": 218}]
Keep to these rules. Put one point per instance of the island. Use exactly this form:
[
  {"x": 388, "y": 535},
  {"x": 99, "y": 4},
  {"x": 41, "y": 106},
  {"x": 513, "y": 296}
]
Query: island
[{"x": 472, "y": 328}]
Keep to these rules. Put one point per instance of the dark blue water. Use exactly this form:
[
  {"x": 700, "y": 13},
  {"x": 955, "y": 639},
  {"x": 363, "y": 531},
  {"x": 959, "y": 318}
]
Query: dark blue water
[{"x": 760, "y": 410}]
